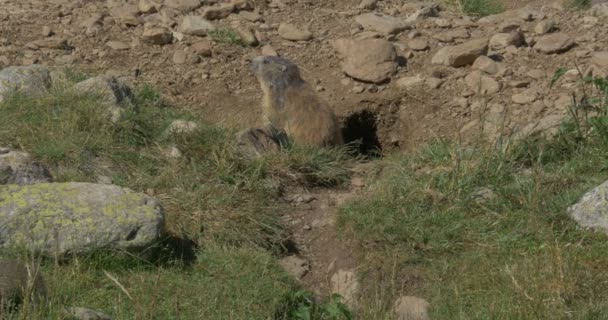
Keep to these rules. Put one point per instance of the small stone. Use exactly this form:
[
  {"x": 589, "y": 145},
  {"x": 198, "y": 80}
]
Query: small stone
[
  {"x": 146, "y": 6},
  {"x": 52, "y": 43},
  {"x": 46, "y": 31},
  {"x": 290, "y": 32},
  {"x": 482, "y": 84},
  {"x": 202, "y": 48},
  {"x": 411, "y": 308},
  {"x": 409, "y": 82},
  {"x": 183, "y": 5},
  {"x": 461, "y": 55},
  {"x": 519, "y": 83},
  {"x": 434, "y": 83},
  {"x": 179, "y": 57},
  {"x": 117, "y": 45},
  {"x": 503, "y": 40},
  {"x": 544, "y": 27},
  {"x": 88, "y": 314},
  {"x": 381, "y": 23},
  {"x": 196, "y": 26},
  {"x": 525, "y": 97},
  {"x": 268, "y": 50},
  {"x": 295, "y": 266},
  {"x": 443, "y": 23},
  {"x": 157, "y": 36},
  {"x": 418, "y": 44},
  {"x": 486, "y": 65},
  {"x": 218, "y": 12},
  {"x": 251, "y": 16},
  {"x": 367, "y": 4},
  {"x": 247, "y": 36}
]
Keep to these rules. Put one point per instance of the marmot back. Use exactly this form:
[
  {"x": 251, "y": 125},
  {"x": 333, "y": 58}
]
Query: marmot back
[{"x": 290, "y": 104}]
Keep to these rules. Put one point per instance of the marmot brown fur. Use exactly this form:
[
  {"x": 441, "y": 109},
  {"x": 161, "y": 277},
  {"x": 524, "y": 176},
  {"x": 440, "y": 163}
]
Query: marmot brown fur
[
  {"x": 291, "y": 105},
  {"x": 16, "y": 280}
]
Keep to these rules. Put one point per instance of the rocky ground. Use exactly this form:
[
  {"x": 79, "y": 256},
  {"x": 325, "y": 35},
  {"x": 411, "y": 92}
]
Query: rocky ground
[
  {"x": 398, "y": 74},
  {"x": 406, "y": 72}
]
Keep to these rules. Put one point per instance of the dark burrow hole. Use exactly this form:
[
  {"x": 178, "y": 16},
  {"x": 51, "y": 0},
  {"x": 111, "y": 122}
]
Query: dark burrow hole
[{"x": 360, "y": 130}]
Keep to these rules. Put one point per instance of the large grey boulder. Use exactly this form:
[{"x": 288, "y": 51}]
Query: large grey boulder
[
  {"x": 592, "y": 210},
  {"x": 68, "y": 218},
  {"x": 18, "y": 167},
  {"x": 33, "y": 80}
]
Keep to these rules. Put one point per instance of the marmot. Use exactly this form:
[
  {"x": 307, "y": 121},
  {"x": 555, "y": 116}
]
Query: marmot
[
  {"x": 291, "y": 105},
  {"x": 16, "y": 280}
]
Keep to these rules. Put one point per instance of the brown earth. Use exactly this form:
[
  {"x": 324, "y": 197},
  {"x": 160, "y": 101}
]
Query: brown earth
[{"x": 219, "y": 87}]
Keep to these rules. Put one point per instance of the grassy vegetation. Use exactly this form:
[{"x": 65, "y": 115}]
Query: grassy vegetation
[
  {"x": 222, "y": 201},
  {"x": 477, "y": 7},
  {"x": 226, "y": 35},
  {"x": 514, "y": 253}
]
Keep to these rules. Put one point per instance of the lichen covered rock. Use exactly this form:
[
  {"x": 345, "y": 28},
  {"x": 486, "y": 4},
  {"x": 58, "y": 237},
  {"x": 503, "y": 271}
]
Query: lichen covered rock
[
  {"x": 31, "y": 80},
  {"x": 67, "y": 218},
  {"x": 592, "y": 210}
]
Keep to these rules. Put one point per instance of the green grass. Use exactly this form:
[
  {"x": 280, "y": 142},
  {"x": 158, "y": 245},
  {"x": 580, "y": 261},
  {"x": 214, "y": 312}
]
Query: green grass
[
  {"x": 516, "y": 255},
  {"x": 477, "y": 8},
  {"x": 226, "y": 35},
  {"x": 225, "y": 203}
]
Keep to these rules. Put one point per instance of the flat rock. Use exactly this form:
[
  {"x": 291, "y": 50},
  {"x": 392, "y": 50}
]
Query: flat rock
[
  {"x": 196, "y": 26},
  {"x": 118, "y": 45},
  {"x": 525, "y": 97},
  {"x": 291, "y": 32},
  {"x": 183, "y": 5},
  {"x": 33, "y": 80},
  {"x": 17, "y": 167},
  {"x": 268, "y": 50},
  {"x": 554, "y": 43},
  {"x": 68, "y": 218},
  {"x": 503, "y": 40},
  {"x": 381, "y": 23},
  {"x": 418, "y": 44},
  {"x": 218, "y": 12},
  {"x": 600, "y": 59},
  {"x": 411, "y": 308},
  {"x": 157, "y": 35},
  {"x": 52, "y": 43},
  {"x": 461, "y": 55},
  {"x": 409, "y": 82},
  {"x": 179, "y": 56},
  {"x": 591, "y": 211},
  {"x": 369, "y": 60}
]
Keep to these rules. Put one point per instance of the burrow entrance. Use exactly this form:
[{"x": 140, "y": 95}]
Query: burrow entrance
[{"x": 360, "y": 130}]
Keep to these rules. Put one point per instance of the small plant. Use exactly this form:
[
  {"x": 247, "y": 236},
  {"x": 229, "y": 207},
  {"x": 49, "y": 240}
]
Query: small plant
[
  {"x": 226, "y": 35},
  {"x": 302, "y": 306},
  {"x": 479, "y": 7}
]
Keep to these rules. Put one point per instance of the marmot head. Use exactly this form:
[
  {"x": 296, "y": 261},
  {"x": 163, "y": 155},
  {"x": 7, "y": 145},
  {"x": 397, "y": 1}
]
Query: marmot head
[{"x": 275, "y": 72}]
